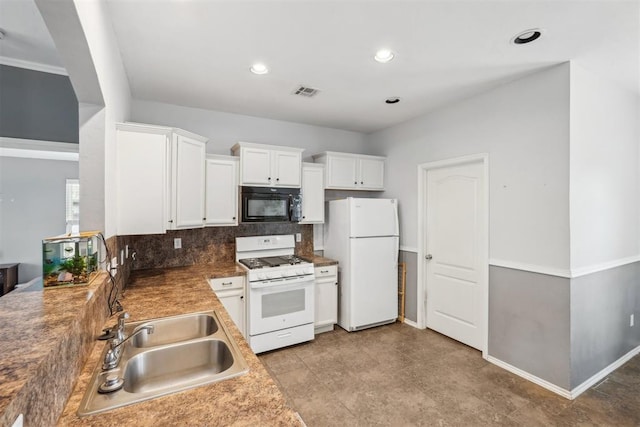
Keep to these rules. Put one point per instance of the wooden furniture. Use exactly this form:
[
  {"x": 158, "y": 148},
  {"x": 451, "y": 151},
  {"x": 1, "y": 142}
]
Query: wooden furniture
[{"x": 8, "y": 277}]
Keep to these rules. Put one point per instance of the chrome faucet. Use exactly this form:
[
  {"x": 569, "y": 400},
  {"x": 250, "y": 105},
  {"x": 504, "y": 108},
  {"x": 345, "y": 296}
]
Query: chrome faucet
[{"x": 112, "y": 357}]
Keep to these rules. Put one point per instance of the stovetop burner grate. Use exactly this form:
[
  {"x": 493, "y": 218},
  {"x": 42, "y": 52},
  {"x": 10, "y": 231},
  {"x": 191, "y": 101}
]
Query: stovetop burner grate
[{"x": 273, "y": 261}]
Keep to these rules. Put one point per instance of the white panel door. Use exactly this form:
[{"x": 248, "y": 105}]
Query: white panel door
[
  {"x": 286, "y": 168},
  {"x": 255, "y": 165},
  {"x": 221, "y": 192},
  {"x": 454, "y": 242},
  {"x": 233, "y": 302},
  {"x": 312, "y": 195},
  {"x": 373, "y": 280},
  {"x": 141, "y": 181},
  {"x": 373, "y": 217},
  {"x": 371, "y": 174},
  {"x": 342, "y": 172},
  {"x": 189, "y": 182}
]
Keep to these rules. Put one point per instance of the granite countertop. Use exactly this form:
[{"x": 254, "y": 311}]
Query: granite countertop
[
  {"x": 320, "y": 261},
  {"x": 251, "y": 399}
]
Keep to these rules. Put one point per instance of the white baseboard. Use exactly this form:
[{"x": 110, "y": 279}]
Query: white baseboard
[
  {"x": 576, "y": 391},
  {"x": 596, "y": 378},
  {"x": 411, "y": 323},
  {"x": 527, "y": 376}
]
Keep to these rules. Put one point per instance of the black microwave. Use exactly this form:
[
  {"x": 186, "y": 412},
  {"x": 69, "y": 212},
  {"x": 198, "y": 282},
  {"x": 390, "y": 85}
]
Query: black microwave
[{"x": 268, "y": 204}]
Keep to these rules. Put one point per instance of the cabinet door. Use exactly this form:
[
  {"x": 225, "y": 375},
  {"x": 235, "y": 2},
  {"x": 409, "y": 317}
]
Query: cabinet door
[
  {"x": 341, "y": 172},
  {"x": 326, "y": 303},
  {"x": 312, "y": 195},
  {"x": 371, "y": 174},
  {"x": 286, "y": 168},
  {"x": 233, "y": 302},
  {"x": 188, "y": 182},
  {"x": 221, "y": 192},
  {"x": 255, "y": 165},
  {"x": 141, "y": 182}
]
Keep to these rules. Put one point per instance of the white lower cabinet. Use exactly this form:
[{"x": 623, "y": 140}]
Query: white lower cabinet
[
  {"x": 326, "y": 302},
  {"x": 231, "y": 293}
]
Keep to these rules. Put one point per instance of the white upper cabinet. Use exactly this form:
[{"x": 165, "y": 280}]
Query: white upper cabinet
[
  {"x": 160, "y": 179},
  {"x": 312, "y": 193},
  {"x": 269, "y": 165},
  {"x": 142, "y": 179},
  {"x": 188, "y": 167},
  {"x": 346, "y": 171},
  {"x": 221, "y": 190}
]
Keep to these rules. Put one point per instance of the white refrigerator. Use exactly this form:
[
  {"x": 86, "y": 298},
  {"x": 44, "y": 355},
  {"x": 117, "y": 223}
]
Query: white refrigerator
[{"x": 362, "y": 235}]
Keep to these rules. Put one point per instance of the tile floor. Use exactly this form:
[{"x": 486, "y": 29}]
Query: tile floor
[{"x": 397, "y": 375}]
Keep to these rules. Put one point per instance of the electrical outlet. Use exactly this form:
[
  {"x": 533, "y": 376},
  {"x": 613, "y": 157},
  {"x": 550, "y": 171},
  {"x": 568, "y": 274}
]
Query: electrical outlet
[
  {"x": 631, "y": 320},
  {"x": 121, "y": 256},
  {"x": 126, "y": 251},
  {"x": 177, "y": 243},
  {"x": 298, "y": 237}
]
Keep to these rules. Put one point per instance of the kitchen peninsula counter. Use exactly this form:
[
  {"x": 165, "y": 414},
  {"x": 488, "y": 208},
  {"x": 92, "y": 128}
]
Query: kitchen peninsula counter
[{"x": 250, "y": 399}]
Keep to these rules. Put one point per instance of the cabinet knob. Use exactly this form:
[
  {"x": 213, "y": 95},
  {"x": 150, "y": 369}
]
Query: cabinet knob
[
  {"x": 234, "y": 218},
  {"x": 269, "y": 179},
  {"x": 303, "y": 217},
  {"x": 356, "y": 182},
  {"x": 361, "y": 182},
  {"x": 277, "y": 179},
  {"x": 204, "y": 219},
  {"x": 241, "y": 296},
  {"x": 171, "y": 221}
]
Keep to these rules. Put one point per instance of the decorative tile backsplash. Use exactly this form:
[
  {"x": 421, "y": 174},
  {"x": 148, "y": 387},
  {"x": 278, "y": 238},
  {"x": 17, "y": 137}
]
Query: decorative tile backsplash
[{"x": 209, "y": 245}]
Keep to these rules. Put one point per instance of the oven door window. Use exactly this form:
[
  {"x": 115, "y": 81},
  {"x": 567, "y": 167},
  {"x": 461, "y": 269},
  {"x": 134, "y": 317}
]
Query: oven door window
[
  {"x": 282, "y": 303},
  {"x": 267, "y": 208}
]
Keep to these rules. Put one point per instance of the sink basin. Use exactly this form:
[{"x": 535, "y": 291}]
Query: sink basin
[
  {"x": 188, "y": 351},
  {"x": 160, "y": 369},
  {"x": 173, "y": 329}
]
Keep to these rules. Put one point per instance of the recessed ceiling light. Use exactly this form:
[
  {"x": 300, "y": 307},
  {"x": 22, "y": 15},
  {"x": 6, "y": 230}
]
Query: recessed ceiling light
[
  {"x": 392, "y": 100},
  {"x": 383, "y": 56},
  {"x": 527, "y": 36},
  {"x": 259, "y": 68}
]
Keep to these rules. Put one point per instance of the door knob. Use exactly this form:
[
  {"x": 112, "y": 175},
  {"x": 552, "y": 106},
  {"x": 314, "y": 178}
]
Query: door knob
[{"x": 428, "y": 257}]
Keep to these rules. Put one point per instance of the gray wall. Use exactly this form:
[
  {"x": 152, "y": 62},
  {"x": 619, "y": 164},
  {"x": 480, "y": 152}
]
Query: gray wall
[
  {"x": 601, "y": 304},
  {"x": 529, "y": 323},
  {"x": 32, "y": 208},
  {"x": 225, "y": 129},
  {"x": 411, "y": 291},
  {"x": 37, "y": 105}
]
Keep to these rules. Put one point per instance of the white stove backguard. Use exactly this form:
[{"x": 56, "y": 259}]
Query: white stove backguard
[{"x": 263, "y": 246}]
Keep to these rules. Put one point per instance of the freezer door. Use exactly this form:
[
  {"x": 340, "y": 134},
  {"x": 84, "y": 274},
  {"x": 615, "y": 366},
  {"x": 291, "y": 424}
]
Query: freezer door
[
  {"x": 373, "y": 280},
  {"x": 373, "y": 217}
]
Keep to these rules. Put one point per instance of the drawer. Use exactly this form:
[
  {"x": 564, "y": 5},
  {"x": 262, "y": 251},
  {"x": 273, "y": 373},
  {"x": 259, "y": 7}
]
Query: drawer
[
  {"x": 225, "y": 283},
  {"x": 282, "y": 338},
  {"x": 328, "y": 271}
]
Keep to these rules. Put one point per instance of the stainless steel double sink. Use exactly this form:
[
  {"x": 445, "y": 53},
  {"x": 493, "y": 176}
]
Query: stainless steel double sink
[{"x": 183, "y": 352}]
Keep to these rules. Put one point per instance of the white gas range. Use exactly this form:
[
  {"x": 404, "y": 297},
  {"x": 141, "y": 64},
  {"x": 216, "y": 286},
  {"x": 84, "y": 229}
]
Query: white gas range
[{"x": 280, "y": 292}]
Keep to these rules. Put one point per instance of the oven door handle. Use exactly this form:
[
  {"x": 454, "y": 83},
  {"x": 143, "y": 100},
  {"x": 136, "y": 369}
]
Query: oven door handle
[{"x": 285, "y": 281}]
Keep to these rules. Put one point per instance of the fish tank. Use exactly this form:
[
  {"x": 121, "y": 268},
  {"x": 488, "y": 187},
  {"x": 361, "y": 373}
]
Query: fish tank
[{"x": 70, "y": 259}]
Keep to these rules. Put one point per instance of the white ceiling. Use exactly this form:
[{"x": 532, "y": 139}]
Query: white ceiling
[
  {"x": 27, "y": 42},
  {"x": 197, "y": 53}
]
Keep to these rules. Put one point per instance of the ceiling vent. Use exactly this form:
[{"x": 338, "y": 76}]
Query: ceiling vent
[{"x": 305, "y": 91}]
